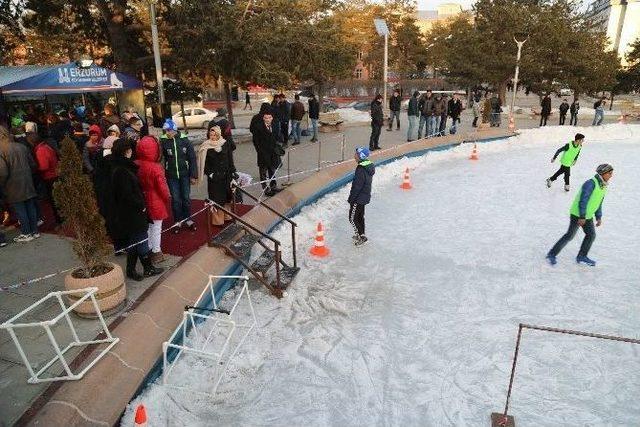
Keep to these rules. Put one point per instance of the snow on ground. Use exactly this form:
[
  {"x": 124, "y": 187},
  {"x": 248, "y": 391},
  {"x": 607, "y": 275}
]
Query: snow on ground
[
  {"x": 419, "y": 326},
  {"x": 584, "y": 114},
  {"x": 353, "y": 115}
]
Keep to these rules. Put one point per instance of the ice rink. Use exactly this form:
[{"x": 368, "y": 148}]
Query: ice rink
[{"x": 418, "y": 327}]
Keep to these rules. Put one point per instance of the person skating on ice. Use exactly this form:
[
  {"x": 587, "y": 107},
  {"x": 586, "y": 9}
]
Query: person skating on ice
[
  {"x": 360, "y": 194},
  {"x": 570, "y": 151},
  {"x": 586, "y": 205}
]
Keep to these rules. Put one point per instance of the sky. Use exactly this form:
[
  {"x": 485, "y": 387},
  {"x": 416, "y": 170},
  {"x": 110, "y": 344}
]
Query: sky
[{"x": 432, "y": 4}]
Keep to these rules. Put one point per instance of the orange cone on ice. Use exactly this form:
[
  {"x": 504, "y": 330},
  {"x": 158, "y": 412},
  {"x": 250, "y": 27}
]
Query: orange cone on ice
[
  {"x": 406, "y": 182},
  {"x": 474, "y": 153},
  {"x": 319, "y": 249},
  {"x": 141, "y": 416}
]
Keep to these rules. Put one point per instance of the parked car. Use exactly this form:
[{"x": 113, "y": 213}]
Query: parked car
[
  {"x": 565, "y": 91},
  {"x": 195, "y": 117},
  {"x": 358, "y": 105}
]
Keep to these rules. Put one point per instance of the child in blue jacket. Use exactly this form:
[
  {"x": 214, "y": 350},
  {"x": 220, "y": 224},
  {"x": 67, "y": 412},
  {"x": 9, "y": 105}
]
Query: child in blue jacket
[{"x": 360, "y": 194}]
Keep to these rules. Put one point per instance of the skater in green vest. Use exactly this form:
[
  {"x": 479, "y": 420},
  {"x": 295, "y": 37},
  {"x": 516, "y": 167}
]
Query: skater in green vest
[
  {"x": 586, "y": 206},
  {"x": 568, "y": 159}
]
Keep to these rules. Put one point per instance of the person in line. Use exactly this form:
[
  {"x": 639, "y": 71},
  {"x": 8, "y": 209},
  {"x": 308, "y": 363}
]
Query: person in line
[
  {"x": 284, "y": 114},
  {"x": 297, "y": 114},
  {"x": 132, "y": 132},
  {"x": 266, "y": 146},
  {"x": 314, "y": 116},
  {"x": 427, "y": 119},
  {"x": 562, "y": 109},
  {"x": 129, "y": 212},
  {"x": 413, "y": 114},
  {"x": 91, "y": 149},
  {"x": 444, "y": 113},
  {"x": 570, "y": 153},
  {"x": 496, "y": 108},
  {"x": 47, "y": 164},
  {"x": 455, "y": 109},
  {"x": 360, "y": 194},
  {"x": 224, "y": 124},
  {"x": 575, "y": 107},
  {"x": 109, "y": 119},
  {"x": 476, "y": 108},
  {"x": 16, "y": 183},
  {"x": 215, "y": 162},
  {"x": 247, "y": 101},
  {"x": 394, "y": 109},
  {"x": 586, "y": 205},
  {"x": 181, "y": 170},
  {"x": 155, "y": 189},
  {"x": 598, "y": 117},
  {"x": 545, "y": 104},
  {"x": 377, "y": 121}
]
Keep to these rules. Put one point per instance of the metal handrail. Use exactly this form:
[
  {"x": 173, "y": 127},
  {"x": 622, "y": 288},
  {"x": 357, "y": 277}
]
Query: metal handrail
[{"x": 245, "y": 223}]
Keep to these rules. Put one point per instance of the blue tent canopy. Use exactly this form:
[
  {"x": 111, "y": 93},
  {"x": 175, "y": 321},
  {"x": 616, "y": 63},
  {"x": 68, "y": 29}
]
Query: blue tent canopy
[{"x": 61, "y": 79}]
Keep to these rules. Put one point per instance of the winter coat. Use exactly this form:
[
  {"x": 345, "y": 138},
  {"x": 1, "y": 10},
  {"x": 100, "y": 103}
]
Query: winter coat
[
  {"x": 151, "y": 177},
  {"x": 219, "y": 169},
  {"x": 426, "y": 105},
  {"x": 495, "y": 104},
  {"x": 107, "y": 121},
  {"x": 394, "y": 103},
  {"x": 413, "y": 107},
  {"x": 440, "y": 107},
  {"x": 361, "y": 186},
  {"x": 455, "y": 108},
  {"x": 47, "y": 161},
  {"x": 179, "y": 157},
  {"x": 225, "y": 128},
  {"x": 16, "y": 168},
  {"x": 257, "y": 119},
  {"x": 128, "y": 212},
  {"x": 265, "y": 142},
  {"x": 297, "y": 111},
  {"x": 377, "y": 116},
  {"x": 284, "y": 111},
  {"x": 564, "y": 107},
  {"x": 314, "y": 108},
  {"x": 575, "y": 107},
  {"x": 546, "y": 106}
]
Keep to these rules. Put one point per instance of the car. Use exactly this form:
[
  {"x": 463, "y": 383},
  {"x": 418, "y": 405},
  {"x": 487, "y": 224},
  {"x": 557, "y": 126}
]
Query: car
[
  {"x": 565, "y": 91},
  {"x": 196, "y": 117},
  {"x": 358, "y": 105}
]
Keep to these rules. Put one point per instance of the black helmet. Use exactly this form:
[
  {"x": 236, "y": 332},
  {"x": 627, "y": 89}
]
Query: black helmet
[{"x": 604, "y": 168}]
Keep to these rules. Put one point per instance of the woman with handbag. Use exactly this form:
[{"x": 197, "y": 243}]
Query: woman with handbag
[{"x": 215, "y": 162}]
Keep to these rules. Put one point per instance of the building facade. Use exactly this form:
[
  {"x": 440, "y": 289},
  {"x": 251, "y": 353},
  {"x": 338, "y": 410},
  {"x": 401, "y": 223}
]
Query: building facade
[{"x": 620, "y": 19}]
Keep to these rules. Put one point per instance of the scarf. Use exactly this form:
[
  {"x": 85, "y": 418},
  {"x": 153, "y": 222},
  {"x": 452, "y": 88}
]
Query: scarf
[{"x": 202, "y": 155}]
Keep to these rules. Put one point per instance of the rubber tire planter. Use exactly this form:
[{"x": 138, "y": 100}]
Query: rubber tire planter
[{"x": 112, "y": 291}]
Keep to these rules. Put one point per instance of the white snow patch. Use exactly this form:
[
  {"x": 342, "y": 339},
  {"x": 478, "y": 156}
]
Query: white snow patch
[
  {"x": 419, "y": 326},
  {"x": 353, "y": 115}
]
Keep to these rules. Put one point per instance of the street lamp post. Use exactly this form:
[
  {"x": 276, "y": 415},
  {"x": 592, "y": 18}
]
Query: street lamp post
[
  {"x": 515, "y": 78},
  {"x": 156, "y": 50},
  {"x": 383, "y": 30}
]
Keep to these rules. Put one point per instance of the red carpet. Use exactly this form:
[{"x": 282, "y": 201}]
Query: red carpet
[{"x": 181, "y": 244}]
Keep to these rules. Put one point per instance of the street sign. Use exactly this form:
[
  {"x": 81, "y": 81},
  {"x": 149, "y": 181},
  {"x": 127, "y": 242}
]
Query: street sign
[{"x": 381, "y": 27}]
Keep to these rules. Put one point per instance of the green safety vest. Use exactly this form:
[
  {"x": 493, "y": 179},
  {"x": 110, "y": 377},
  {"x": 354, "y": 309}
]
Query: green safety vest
[
  {"x": 365, "y": 162},
  {"x": 594, "y": 202},
  {"x": 569, "y": 156}
]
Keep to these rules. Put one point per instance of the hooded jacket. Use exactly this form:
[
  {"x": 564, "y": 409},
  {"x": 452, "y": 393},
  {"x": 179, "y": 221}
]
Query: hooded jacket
[
  {"x": 128, "y": 210},
  {"x": 152, "y": 179},
  {"x": 361, "y": 185},
  {"x": 16, "y": 167},
  {"x": 179, "y": 157},
  {"x": 47, "y": 161}
]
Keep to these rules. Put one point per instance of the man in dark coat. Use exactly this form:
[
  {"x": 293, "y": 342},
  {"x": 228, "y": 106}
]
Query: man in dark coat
[
  {"x": 377, "y": 120},
  {"x": 266, "y": 145},
  {"x": 575, "y": 107},
  {"x": 426, "y": 104},
  {"x": 546, "y": 110},
  {"x": 413, "y": 114},
  {"x": 314, "y": 115},
  {"x": 297, "y": 114},
  {"x": 394, "y": 107},
  {"x": 455, "y": 109},
  {"x": 563, "y": 108}
]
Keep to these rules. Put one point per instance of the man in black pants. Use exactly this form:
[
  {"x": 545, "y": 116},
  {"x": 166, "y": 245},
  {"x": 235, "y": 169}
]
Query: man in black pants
[
  {"x": 563, "y": 108},
  {"x": 360, "y": 194},
  {"x": 570, "y": 151},
  {"x": 377, "y": 120}
]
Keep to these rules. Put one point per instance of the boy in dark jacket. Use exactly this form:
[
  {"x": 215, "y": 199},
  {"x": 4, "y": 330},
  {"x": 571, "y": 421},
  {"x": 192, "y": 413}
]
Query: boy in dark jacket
[
  {"x": 377, "y": 120},
  {"x": 360, "y": 194},
  {"x": 570, "y": 151},
  {"x": 181, "y": 170}
]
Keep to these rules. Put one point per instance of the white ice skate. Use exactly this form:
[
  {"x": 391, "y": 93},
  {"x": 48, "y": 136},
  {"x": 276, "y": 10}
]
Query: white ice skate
[
  {"x": 548, "y": 183},
  {"x": 566, "y": 188}
]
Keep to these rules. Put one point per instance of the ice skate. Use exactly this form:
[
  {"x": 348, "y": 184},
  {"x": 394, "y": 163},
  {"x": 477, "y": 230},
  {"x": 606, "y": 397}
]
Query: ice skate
[
  {"x": 551, "y": 259},
  {"x": 566, "y": 188},
  {"x": 585, "y": 260},
  {"x": 548, "y": 183},
  {"x": 361, "y": 240}
]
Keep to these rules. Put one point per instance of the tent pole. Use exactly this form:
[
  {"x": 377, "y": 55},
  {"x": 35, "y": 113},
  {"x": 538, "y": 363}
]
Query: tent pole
[{"x": 84, "y": 102}]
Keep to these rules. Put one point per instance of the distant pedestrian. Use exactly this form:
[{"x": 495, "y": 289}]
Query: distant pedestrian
[
  {"x": 360, "y": 194},
  {"x": 284, "y": 114},
  {"x": 413, "y": 114},
  {"x": 377, "y": 121},
  {"x": 570, "y": 153},
  {"x": 455, "y": 109},
  {"x": 573, "y": 109},
  {"x": 394, "y": 109},
  {"x": 426, "y": 105},
  {"x": 439, "y": 113},
  {"x": 545, "y": 111},
  {"x": 598, "y": 117},
  {"x": 562, "y": 109},
  {"x": 476, "y": 108},
  {"x": 314, "y": 115},
  {"x": 247, "y": 101},
  {"x": 586, "y": 205},
  {"x": 496, "y": 108},
  {"x": 297, "y": 114}
]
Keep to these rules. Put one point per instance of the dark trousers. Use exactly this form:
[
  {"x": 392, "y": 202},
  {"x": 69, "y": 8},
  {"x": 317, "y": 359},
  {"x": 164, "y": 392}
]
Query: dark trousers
[
  {"x": 566, "y": 170},
  {"x": 393, "y": 114},
  {"x": 573, "y": 120},
  {"x": 27, "y": 215},
  {"x": 374, "y": 140},
  {"x": 589, "y": 236},
  {"x": 267, "y": 174},
  {"x": 48, "y": 185},
  {"x": 543, "y": 120},
  {"x": 356, "y": 218},
  {"x": 180, "y": 189},
  {"x": 140, "y": 247},
  {"x": 475, "y": 122},
  {"x": 284, "y": 131},
  {"x": 563, "y": 117}
]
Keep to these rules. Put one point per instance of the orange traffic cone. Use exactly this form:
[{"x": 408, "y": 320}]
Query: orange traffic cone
[
  {"x": 319, "y": 249},
  {"x": 141, "y": 416},
  {"x": 406, "y": 182},
  {"x": 474, "y": 153}
]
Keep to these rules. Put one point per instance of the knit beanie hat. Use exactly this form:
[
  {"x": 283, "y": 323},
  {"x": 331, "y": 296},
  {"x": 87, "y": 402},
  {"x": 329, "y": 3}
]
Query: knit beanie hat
[{"x": 363, "y": 153}]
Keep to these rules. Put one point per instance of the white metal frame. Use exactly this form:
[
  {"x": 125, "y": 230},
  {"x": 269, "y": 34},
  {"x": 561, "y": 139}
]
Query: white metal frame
[
  {"x": 10, "y": 326},
  {"x": 189, "y": 317}
]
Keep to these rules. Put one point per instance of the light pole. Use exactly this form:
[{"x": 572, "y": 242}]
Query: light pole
[
  {"x": 383, "y": 30},
  {"x": 515, "y": 79},
  {"x": 156, "y": 50}
]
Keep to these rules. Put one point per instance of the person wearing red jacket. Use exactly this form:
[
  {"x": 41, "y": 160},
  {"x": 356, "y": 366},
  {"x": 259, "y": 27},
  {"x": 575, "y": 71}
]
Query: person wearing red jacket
[
  {"x": 47, "y": 162},
  {"x": 155, "y": 189}
]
